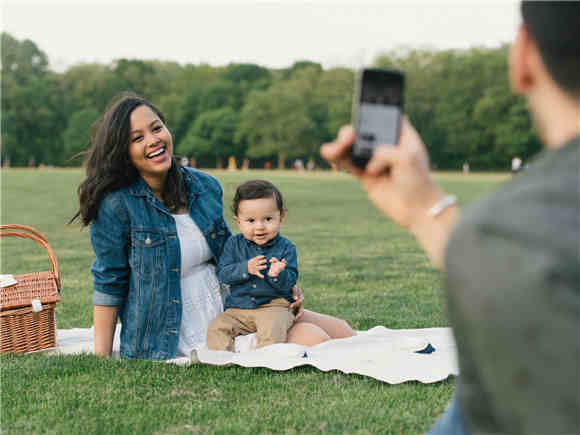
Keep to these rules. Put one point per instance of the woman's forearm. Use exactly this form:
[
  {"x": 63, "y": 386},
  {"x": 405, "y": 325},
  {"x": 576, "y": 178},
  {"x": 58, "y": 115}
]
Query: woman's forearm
[{"x": 105, "y": 321}]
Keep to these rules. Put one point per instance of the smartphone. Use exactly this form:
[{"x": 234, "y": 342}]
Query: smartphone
[{"x": 376, "y": 111}]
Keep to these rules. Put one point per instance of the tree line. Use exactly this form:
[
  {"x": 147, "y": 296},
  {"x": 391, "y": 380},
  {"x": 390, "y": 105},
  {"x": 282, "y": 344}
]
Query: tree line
[{"x": 459, "y": 101}]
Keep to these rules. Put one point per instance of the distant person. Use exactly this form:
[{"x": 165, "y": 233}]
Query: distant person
[
  {"x": 298, "y": 165},
  {"x": 157, "y": 230},
  {"x": 261, "y": 268},
  {"x": 465, "y": 168},
  {"x": 516, "y": 165},
  {"x": 232, "y": 165},
  {"x": 512, "y": 262}
]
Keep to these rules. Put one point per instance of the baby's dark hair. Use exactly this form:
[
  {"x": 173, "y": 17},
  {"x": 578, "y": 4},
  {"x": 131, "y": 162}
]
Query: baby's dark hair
[{"x": 256, "y": 189}]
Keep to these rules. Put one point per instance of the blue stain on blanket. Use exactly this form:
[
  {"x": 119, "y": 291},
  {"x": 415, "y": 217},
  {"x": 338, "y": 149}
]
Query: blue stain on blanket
[{"x": 426, "y": 349}]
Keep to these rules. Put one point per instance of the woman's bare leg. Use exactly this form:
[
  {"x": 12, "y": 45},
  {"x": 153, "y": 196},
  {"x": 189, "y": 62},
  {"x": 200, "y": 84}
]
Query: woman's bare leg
[
  {"x": 332, "y": 326},
  {"x": 307, "y": 334},
  {"x": 313, "y": 328}
]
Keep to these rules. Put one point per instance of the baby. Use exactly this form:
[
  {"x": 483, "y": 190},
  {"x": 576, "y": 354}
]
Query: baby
[{"x": 261, "y": 268}]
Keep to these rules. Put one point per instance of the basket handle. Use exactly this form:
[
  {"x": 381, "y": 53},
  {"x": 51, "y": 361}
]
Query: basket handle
[{"x": 36, "y": 236}]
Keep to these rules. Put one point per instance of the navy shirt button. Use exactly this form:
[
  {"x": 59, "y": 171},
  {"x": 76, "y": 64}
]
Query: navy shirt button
[
  {"x": 254, "y": 285},
  {"x": 212, "y": 235}
]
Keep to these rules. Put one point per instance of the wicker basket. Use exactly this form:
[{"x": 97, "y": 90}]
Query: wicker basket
[{"x": 27, "y": 307}]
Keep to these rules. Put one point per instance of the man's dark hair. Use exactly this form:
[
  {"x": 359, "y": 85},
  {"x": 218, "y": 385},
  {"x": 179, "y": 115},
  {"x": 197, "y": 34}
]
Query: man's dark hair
[
  {"x": 257, "y": 189},
  {"x": 555, "y": 26}
]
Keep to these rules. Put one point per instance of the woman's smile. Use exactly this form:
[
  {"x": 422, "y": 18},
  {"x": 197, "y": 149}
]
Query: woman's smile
[{"x": 150, "y": 144}]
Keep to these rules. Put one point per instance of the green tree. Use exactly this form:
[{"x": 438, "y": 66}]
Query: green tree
[
  {"x": 212, "y": 134},
  {"x": 284, "y": 120},
  {"x": 32, "y": 105},
  {"x": 75, "y": 138}
]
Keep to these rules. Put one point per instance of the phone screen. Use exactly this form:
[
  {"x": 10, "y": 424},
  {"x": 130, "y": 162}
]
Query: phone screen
[{"x": 378, "y": 113}]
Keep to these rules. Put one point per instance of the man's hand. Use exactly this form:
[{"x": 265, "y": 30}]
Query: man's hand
[
  {"x": 256, "y": 264},
  {"x": 276, "y": 266}
]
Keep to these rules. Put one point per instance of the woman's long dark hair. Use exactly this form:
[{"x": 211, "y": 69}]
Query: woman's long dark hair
[{"x": 108, "y": 165}]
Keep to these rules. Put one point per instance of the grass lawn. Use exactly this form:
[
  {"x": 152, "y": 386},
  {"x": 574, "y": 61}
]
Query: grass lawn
[{"x": 353, "y": 264}]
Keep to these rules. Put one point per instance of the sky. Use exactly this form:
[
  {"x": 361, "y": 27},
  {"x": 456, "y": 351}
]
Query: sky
[{"x": 270, "y": 33}]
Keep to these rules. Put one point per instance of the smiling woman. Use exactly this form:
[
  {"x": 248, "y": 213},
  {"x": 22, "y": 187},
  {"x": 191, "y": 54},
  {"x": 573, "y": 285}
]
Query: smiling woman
[
  {"x": 150, "y": 147},
  {"x": 157, "y": 230}
]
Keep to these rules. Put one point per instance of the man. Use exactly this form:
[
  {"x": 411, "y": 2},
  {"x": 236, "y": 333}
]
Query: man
[{"x": 512, "y": 262}]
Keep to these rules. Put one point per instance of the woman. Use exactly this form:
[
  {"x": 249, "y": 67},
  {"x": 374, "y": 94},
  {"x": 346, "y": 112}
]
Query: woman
[{"x": 157, "y": 230}]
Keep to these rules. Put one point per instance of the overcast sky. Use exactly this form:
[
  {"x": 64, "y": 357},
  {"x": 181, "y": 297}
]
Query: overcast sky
[{"x": 270, "y": 33}]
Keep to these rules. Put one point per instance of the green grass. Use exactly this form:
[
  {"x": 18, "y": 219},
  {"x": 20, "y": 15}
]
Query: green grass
[{"x": 353, "y": 264}]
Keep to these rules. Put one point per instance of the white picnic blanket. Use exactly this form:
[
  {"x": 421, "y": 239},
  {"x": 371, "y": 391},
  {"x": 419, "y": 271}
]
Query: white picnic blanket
[{"x": 388, "y": 355}]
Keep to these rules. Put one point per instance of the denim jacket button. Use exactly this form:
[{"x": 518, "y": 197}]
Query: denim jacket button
[
  {"x": 254, "y": 285},
  {"x": 212, "y": 235}
]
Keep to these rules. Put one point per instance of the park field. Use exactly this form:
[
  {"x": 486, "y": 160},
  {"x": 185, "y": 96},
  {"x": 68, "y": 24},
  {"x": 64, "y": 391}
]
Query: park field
[{"x": 354, "y": 264}]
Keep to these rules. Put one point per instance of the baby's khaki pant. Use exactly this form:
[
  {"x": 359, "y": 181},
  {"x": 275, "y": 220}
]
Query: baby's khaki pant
[{"x": 270, "y": 322}]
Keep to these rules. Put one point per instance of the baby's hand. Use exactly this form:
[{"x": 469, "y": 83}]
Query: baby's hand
[
  {"x": 256, "y": 264},
  {"x": 276, "y": 266}
]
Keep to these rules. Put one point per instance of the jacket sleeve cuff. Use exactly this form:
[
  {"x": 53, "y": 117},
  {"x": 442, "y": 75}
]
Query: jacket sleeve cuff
[
  {"x": 234, "y": 273},
  {"x": 283, "y": 281},
  {"x": 100, "y": 298}
]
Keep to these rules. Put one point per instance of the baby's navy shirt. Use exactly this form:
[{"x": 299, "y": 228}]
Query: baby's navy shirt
[{"x": 250, "y": 291}]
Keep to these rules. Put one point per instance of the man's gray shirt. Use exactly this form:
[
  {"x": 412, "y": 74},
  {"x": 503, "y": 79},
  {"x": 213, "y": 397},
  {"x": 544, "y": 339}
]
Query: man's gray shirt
[{"x": 513, "y": 294}]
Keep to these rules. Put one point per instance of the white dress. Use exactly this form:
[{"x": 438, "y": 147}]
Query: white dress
[{"x": 201, "y": 295}]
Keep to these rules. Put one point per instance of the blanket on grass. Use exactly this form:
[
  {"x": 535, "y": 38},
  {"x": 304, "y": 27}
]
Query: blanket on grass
[{"x": 389, "y": 355}]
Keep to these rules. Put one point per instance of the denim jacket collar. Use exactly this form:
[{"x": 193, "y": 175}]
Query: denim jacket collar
[
  {"x": 141, "y": 188},
  {"x": 265, "y": 245}
]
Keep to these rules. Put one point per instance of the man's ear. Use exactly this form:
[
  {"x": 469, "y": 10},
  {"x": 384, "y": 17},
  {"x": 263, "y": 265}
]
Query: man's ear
[
  {"x": 523, "y": 61},
  {"x": 237, "y": 219},
  {"x": 282, "y": 216}
]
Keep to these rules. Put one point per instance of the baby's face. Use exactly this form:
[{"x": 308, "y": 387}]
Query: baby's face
[{"x": 259, "y": 219}]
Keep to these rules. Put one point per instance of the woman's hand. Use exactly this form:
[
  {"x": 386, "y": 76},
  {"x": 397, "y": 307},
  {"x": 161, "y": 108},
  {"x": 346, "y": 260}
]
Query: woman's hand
[
  {"x": 398, "y": 182},
  {"x": 297, "y": 307}
]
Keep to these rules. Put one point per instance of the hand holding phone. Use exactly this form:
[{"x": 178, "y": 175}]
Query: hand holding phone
[{"x": 377, "y": 109}]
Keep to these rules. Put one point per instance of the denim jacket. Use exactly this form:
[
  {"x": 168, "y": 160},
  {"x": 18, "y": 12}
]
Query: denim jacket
[
  {"x": 138, "y": 260},
  {"x": 250, "y": 291}
]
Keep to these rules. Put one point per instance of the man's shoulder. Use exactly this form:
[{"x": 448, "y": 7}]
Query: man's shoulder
[
  {"x": 548, "y": 188},
  {"x": 537, "y": 209}
]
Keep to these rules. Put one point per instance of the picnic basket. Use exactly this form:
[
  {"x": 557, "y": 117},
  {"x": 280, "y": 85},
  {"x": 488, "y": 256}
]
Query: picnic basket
[{"x": 27, "y": 307}]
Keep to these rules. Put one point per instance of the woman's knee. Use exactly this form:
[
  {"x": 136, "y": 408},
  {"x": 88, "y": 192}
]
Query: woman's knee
[
  {"x": 333, "y": 326},
  {"x": 307, "y": 334}
]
